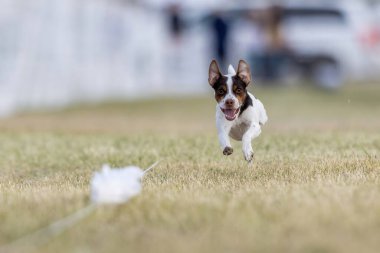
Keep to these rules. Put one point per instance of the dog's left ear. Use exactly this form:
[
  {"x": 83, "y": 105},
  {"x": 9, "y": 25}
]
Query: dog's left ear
[{"x": 243, "y": 72}]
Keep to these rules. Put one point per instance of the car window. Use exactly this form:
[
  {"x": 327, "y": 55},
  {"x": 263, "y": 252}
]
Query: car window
[{"x": 316, "y": 16}]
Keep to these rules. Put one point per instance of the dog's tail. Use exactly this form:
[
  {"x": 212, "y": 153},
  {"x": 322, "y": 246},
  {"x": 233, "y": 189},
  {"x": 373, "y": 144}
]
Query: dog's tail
[{"x": 231, "y": 70}]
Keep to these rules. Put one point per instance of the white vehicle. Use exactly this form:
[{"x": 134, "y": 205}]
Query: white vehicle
[{"x": 339, "y": 39}]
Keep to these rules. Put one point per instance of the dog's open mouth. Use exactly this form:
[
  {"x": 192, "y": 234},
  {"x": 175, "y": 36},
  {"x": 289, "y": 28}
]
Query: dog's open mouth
[{"x": 231, "y": 114}]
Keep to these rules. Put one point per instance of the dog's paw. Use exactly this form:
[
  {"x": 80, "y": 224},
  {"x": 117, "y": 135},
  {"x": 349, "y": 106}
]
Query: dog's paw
[
  {"x": 249, "y": 155},
  {"x": 228, "y": 151}
]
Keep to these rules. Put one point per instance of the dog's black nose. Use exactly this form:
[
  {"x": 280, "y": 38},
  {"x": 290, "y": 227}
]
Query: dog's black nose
[{"x": 230, "y": 102}]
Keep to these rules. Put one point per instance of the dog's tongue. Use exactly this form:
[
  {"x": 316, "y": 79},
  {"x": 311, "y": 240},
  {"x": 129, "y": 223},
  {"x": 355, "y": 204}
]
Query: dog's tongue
[{"x": 230, "y": 113}]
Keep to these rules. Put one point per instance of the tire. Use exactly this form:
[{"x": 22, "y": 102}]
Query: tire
[{"x": 327, "y": 74}]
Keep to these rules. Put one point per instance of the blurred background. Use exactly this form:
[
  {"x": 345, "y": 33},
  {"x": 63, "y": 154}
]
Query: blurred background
[
  {"x": 88, "y": 82},
  {"x": 55, "y": 53}
]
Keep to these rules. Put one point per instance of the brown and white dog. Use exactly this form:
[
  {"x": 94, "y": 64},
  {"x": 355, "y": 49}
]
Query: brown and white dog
[{"x": 238, "y": 113}]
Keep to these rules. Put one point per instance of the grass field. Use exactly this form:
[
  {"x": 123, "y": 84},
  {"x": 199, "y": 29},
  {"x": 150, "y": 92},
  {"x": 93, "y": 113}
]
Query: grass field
[{"x": 314, "y": 186}]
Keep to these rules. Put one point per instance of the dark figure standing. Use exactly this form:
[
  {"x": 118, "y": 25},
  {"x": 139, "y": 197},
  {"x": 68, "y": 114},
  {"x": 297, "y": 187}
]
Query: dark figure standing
[
  {"x": 277, "y": 54},
  {"x": 175, "y": 22},
  {"x": 220, "y": 28}
]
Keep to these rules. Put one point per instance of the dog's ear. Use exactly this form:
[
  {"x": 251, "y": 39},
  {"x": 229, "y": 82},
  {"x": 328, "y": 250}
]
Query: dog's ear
[
  {"x": 213, "y": 73},
  {"x": 243, "y": 72}
]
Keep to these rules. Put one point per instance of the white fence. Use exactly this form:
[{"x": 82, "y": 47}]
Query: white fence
[{"x": 58, "y": 52}]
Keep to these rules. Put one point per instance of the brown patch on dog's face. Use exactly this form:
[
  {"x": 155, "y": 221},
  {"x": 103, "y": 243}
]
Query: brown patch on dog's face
[
  {"x": 220, "y": 88},
  {"x": 239, "y": 89}
]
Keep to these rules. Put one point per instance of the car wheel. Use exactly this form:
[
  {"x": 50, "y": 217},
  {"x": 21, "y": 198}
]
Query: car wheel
[{"x": 327, "y": 74}]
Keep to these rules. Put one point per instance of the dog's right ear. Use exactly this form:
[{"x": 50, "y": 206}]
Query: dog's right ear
[{"x": 213, "y": 73}]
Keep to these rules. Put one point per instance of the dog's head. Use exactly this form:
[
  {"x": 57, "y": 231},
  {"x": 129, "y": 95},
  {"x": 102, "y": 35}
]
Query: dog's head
[{"x": 231, "y": 89}]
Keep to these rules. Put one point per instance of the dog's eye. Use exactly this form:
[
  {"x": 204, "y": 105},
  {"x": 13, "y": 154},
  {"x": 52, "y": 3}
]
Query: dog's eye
[
  {"x": 238, "y": 90},
  {"x": 220, "y": 92}
]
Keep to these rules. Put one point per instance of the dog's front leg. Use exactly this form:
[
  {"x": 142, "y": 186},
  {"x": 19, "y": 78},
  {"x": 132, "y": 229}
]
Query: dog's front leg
[
  {"x": 248, "y": 136},
  {"x": 224, "y": 129}
]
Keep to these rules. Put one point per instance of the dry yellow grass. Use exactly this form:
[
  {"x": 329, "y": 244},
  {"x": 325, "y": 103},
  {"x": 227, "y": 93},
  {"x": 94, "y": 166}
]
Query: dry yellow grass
[{"x": 314, "y": 186}]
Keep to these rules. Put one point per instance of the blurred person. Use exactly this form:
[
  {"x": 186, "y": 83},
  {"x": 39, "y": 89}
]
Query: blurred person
[
  {"x": 275, "y": 57},
  {"x": 273, "y": 25},
  {"x": 220, "y": 28},
  {"x": 176, "y": 56},
  {"x": 276, "y": 48},
  {"x": 258, "y": 43},
  {"x": 175, "y": 22}
]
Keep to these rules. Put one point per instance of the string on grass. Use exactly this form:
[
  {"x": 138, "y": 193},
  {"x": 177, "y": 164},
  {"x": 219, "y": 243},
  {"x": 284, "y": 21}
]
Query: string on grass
[{"x": 109, "y": 186}]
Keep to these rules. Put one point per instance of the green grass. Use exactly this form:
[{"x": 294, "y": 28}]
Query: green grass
[{"x": 314, "y": 186}]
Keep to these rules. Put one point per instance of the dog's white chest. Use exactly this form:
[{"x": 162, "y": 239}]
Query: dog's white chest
[
  {"x": 238, "y": 130},
  {"x": 253, "y": 116}
]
